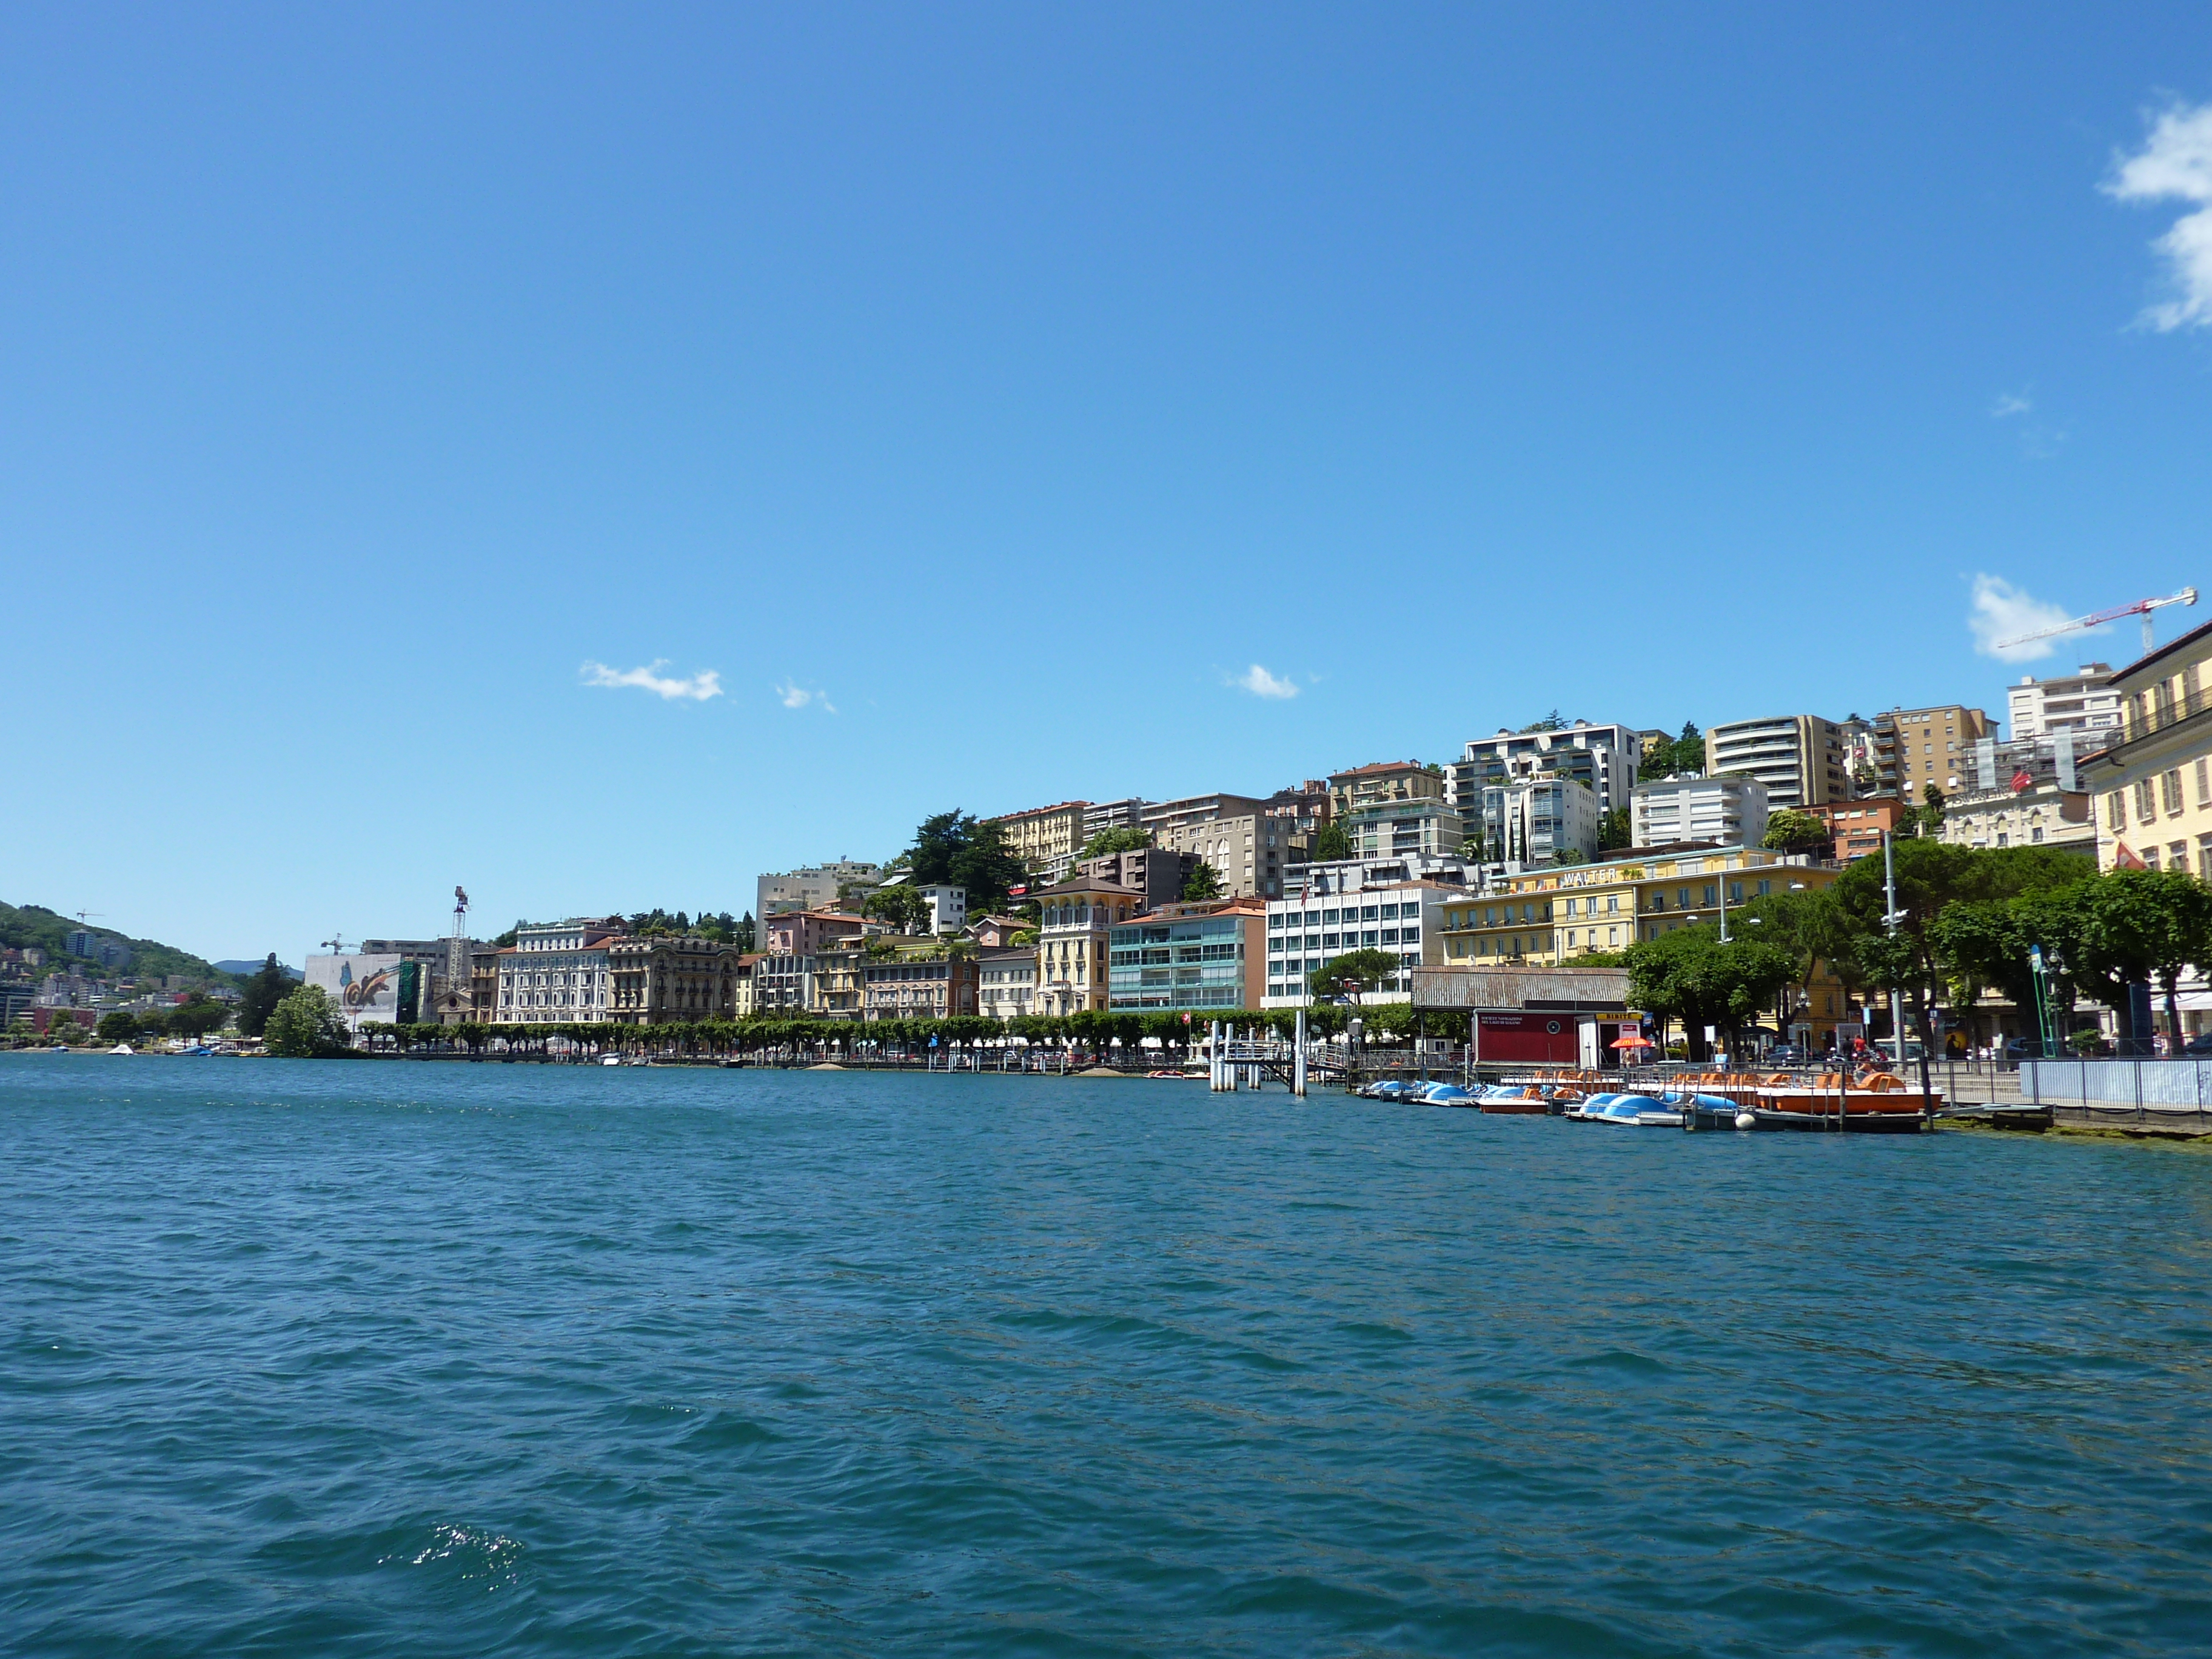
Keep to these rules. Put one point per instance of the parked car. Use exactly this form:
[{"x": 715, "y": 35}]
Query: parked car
[
  {"x": 2198, "y": 1047},
  {"x": 2017, "y": 1048},
  {"x": 1789, "y": 1053}
]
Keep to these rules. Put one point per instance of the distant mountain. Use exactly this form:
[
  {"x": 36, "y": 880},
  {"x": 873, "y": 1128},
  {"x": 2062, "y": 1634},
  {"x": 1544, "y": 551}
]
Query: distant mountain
[
  {"x": 244, "y": 968},
  {"x": 34, "y": 924}
]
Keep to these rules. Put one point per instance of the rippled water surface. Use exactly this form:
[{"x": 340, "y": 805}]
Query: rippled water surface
[{"x": 315, "y": 1359}]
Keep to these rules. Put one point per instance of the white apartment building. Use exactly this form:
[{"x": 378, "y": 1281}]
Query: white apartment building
[
  {"x": 1339, "y": 878},
  {"x": 1529, "y": 825},
  {"x": 1006, "y": 981},
  {"x": 1731, "y": 811},
  {"x": 1405, "y": 917},
  {"x": 1603, "y": 757},
  {"x": 2083, "y": 701},
  {"x": 1099, "y": 816},
  {"x": 948, "y": 908},
  {"x": 555, "y": 974}
]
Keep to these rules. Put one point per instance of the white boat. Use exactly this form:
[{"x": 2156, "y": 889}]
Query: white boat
[
  {"x": 123, "y": 1048},
  {"x": 611, "y": 1059},
  {"x": 1636, "y": 1111}
]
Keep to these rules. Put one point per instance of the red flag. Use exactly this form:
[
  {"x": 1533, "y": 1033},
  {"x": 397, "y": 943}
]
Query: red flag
[
  {"x": 2021, "y": 781},
  {"x": 2124, "y": 859}
]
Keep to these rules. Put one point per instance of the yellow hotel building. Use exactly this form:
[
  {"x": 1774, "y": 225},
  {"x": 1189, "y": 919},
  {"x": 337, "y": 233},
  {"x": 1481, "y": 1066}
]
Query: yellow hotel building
[
  {"x": 2154, "y": 788},
  {"x": 1550, "y": 916}
]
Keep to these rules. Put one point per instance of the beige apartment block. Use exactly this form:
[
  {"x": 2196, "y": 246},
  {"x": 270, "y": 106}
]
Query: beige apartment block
[
  {"x": 1916, "y": 747},
  {"x": 1248, "y": 853},
  {"x": 1046, "y": 838},
  {"x": 1800, "y": 758},
  {"x": 1381, "y": 783},
  {"x": 2152, "y": 789}
]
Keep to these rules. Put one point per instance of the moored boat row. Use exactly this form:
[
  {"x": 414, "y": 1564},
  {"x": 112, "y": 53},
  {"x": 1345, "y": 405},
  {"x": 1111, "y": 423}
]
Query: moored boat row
[{"x": 1872, "y": 1103}]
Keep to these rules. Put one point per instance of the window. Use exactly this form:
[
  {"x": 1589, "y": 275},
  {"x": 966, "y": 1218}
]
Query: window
[
  {"x": 2150, "y": 858},
  {"x": 2205, "y": 856},
  {"x": 2169, "y": 792},
  {"x": 2144, "y": 808},
  {"x": 2116, "y": 809}
]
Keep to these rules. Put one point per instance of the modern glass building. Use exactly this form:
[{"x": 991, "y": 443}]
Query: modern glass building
[{"x": 1179, "y": 962}]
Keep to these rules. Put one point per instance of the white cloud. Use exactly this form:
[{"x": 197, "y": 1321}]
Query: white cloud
[
  {"x": 1260, "y": 683},
  {"x": 2175, "y": 164},
  {"x": 2010, "y": 403},
  {"x": 2001, "y": 612},
  {"x": 792, "y": 694},
  {"x": 698, "y": 688}
]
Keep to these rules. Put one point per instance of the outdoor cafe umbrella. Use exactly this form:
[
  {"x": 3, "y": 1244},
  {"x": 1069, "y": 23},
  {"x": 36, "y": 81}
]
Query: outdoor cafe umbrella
[{"x": 1635, "y": 1040}]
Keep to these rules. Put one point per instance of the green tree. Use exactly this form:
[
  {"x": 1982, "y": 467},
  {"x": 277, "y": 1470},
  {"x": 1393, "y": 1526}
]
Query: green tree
[
  {"x": 743, "y": 934},
  {"x": 1683, "y": 754},
  {"x": 1807, "y": 926},
  {"x": 1330, "y": 842},
  {"x": 304, "y": 1026},
  {"x": 1567, "y": 855},
  {"x": 1689, "y": 975},
  {"x": 117, "y": 1027},
  {"x": 957, "y": 849},
  {"x": 1928, "y": 818},
  {"x": 1551, "y": 722},
  {"x": 1616, "y": 830},
  {"x": 197, "y": 1016},
  {"x": 1117, "y": 838},
  {"x": 1363, "y": 969},
  {"x": 2129, "y": 926},
  {"x": 902, "y": 906},
  {"x": 1202, "y": 882},
  {"x": 1789, "y": 830},
  {"x": 1931, "y": 876},
  {"x": 266, "y": 989}
]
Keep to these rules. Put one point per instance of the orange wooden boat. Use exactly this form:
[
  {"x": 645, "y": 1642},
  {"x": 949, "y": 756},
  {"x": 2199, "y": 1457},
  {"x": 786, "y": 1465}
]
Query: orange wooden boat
[{"x": 1815, "y": 1095}]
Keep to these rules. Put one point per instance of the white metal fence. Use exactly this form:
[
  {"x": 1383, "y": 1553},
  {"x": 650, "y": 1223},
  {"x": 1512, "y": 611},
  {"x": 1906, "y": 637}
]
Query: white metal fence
[{"x": 2146, "y": 1086}]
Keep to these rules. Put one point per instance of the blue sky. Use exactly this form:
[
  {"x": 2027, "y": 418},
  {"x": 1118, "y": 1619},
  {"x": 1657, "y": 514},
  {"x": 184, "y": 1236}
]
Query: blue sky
[{"x": 977, "y": 395}]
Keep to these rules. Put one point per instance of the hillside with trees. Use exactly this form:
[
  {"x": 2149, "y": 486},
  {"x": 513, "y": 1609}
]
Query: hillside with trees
[{"x": 33, "y": 924}]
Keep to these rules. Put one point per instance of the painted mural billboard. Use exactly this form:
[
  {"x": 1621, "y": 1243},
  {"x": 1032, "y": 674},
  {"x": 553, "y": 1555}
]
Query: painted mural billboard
[{"x": 362, "y": 988}]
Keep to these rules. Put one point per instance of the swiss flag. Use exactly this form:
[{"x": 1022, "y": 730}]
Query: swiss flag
[{"x": 2124, "y": 859}]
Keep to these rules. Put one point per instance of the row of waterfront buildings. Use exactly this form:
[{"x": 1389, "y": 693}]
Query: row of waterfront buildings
[{"x": 1532, "y": 847}]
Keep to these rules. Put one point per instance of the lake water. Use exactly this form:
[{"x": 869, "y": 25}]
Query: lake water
[{"x": 383, "y": 1358}]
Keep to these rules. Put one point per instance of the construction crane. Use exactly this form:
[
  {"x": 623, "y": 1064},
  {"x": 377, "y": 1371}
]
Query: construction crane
[
  {"x": 2097, "y": 619},
  {"x": 336, "y": 946},
  {"x": 83, "y": 916}
]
